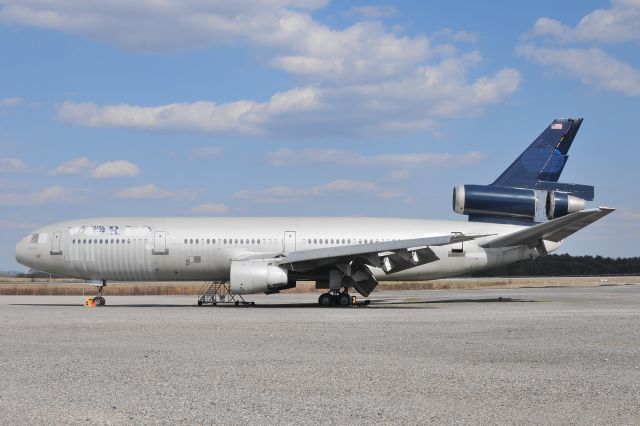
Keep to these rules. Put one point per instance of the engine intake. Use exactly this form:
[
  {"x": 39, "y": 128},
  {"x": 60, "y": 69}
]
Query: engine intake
[{"x": 488, "y": 200}]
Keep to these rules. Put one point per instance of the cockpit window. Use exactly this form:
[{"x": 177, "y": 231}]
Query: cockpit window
[{"x": 33, "y": 238}]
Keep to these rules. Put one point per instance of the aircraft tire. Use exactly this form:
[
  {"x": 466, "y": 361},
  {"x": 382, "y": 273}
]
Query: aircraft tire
[
  {"x": 344, "y": 299},
  {"x": 325, "y": 299}
]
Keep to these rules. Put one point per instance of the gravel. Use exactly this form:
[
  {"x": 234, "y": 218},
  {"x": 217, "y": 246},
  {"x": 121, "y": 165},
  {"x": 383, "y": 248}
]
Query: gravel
[{"x": 549, "y": 355}]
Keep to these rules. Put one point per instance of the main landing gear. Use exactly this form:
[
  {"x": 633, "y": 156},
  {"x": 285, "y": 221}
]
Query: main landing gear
[{"x": 334, "y": 297}]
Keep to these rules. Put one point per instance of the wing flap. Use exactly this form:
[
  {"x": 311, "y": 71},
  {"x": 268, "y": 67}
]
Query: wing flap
[{"x": 553, "y": 230}]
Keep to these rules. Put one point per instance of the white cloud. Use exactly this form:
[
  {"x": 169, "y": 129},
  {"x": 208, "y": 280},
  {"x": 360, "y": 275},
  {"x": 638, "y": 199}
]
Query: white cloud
[
  {"x": 112, "y": 169},
  {"x": 11, "y": 165},
  {"x": 372, "y": 12},
  {"x": 401, "y": 105},
  {"x": 72, "y": 167},
  {"x": 53, "y": 194},
  {"x": 364, "y": 50},
  {"x": 276, "y": 194},
  {"x": 10, "y": 102},
  {"x": 245, "y": 117},
  {"x": 591, "y": 66},
  {"x": 617, "y": 24},
  {"x": 365, "y": 78},
  {"x": 151, "y": 25},
  {"x": 152, "y": 191},
  {"x": 335, "y": 156},
  {"x": 210, "y": 208}
]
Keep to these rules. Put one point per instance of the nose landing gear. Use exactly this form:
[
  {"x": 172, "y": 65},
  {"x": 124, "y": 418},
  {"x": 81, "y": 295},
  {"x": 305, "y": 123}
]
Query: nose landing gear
[{"x": 99, "y": 300}]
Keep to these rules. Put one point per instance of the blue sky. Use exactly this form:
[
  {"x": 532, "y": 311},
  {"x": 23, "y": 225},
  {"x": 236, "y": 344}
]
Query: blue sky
[{"x": 307, "y": 107}]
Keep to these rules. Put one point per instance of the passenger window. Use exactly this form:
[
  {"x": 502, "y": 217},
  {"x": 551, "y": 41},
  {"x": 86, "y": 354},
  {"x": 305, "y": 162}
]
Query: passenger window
[
  {"x": 208, "y": 241},
  {"x": 197, "y": 241}
]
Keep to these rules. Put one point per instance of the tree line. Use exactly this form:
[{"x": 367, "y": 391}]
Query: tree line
[{"x": 562, "y": 265}]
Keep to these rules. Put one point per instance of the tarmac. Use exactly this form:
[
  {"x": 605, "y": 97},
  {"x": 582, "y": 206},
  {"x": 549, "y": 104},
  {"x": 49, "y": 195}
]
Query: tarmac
[{"x": 499, "y": 356}]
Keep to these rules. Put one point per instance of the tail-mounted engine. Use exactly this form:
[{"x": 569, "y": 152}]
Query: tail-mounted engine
[{"x": 528, "y": 204}]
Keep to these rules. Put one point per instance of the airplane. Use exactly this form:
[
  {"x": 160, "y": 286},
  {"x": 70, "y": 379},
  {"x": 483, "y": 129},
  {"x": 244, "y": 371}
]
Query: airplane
[{"x": 525, "y": 213}]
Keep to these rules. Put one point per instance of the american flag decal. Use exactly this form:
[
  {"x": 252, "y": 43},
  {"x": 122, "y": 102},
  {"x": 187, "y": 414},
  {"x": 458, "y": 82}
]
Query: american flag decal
[{"x": 556, "y": 126}]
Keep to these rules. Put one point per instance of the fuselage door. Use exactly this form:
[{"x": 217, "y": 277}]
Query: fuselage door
[
  {"x": 160, "y": 242},
  {"x": 289, "y": 241},
  {"x": 55, "y": 244}
]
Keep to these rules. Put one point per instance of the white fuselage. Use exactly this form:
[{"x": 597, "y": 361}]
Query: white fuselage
[{"x": 202, "y": 249}]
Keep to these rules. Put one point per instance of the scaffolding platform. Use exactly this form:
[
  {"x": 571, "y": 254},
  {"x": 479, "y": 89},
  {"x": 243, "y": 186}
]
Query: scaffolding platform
[{"x": 219, "y": 292}]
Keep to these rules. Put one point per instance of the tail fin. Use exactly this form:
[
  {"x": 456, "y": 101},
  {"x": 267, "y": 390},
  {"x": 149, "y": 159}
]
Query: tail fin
[{"x": 541, "y": 164}]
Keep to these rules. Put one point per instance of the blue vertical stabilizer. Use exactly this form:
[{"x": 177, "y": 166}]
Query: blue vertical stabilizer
[{"x": 541, "y": 164}]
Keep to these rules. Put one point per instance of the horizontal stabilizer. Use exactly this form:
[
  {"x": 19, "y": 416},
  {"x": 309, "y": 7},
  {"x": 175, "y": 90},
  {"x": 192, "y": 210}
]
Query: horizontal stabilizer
[{"x": 553, "y": 230}]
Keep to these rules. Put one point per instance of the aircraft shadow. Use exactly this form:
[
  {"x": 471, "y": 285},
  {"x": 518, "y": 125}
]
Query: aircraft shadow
[{"x": 394, "y": 303}]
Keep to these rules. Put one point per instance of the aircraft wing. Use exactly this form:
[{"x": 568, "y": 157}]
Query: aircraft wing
[
  {"x": 553, "y": 230},
  {"x": 391, "y": 256}
]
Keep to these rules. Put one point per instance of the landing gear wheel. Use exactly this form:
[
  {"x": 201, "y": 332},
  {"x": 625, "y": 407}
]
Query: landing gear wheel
[
  {"x": 99, "y": 299},
  {"x": 325, "y": 299},
  {"x": 344, "y": 299}
]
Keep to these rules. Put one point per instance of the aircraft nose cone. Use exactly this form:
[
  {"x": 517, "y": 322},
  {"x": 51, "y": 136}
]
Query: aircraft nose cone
[{"x": 22, "y": 255}]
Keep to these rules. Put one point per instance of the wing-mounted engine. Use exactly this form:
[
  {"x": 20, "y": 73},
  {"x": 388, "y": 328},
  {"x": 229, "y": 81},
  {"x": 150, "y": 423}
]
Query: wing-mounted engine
[
  {"x": 519, "y": 203},
  {"x": 254, "y": 276}
]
